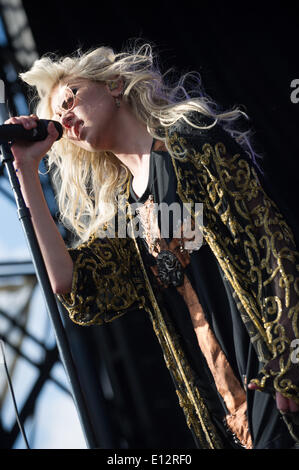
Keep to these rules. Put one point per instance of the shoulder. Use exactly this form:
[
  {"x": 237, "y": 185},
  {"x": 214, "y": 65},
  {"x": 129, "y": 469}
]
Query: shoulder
[
  {"x": 193, "y": 121},
  {"x": 196, "y": 132},
  {"x": 198, "y": 126}
]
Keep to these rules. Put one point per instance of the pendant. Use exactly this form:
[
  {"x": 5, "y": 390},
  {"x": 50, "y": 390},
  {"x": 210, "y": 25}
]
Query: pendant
[{"x": 170, "y": 270}]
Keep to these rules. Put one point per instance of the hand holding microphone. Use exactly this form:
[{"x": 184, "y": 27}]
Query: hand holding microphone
[
  {"x": 22, "y": 132},
  {"x": 31, "y": 138}
]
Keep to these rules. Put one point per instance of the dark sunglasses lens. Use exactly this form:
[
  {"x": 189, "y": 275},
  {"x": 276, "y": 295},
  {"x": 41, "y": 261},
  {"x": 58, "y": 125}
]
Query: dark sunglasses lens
[{"x": 68, "y": 102}]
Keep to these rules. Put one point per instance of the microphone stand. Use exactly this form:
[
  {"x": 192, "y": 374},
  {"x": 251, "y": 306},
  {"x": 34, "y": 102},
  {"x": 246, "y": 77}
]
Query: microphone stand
[{"x": 43, "y": 279}]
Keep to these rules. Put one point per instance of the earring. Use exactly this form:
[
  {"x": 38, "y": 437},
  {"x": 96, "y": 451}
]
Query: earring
[
  {"x": 112, "y": 85},
  {"x": 118, "y": 100}
]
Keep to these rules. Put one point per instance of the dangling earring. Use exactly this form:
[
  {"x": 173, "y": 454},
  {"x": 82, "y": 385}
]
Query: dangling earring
[
  {"x": 118, "y": 100},
  {"x": 112, "y": 86}
]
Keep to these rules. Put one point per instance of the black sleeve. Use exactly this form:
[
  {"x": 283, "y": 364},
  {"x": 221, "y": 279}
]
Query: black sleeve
[{"x": 107, "y": 281}]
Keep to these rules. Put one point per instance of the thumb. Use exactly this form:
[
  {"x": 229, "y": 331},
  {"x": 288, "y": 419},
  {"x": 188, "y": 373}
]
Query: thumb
[
  {"x": 52, "y": 131},
  {"x": 253, "y": 386}
]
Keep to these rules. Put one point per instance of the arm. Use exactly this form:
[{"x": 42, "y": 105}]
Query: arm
[
  {"x": 98, "y": 281},
  {"x": 58, "y": 262},
  {"x": 27, "y": 157}
]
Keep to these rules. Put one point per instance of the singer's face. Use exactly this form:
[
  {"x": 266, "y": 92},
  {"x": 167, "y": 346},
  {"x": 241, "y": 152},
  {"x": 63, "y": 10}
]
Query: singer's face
[{"x": 87, "y": 113}]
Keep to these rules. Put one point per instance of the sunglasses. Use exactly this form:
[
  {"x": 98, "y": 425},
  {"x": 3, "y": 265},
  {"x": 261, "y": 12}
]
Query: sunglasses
[{"x": 68, "y": 100}]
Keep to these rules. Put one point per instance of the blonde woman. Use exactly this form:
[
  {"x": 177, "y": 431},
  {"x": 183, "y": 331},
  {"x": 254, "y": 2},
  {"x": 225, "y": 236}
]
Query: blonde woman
[{"x": 224, "y": 308}]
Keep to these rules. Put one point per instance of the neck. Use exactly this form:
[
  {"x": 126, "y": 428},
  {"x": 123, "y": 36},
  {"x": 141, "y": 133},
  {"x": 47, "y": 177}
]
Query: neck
[{"x": 133, "y": 143}]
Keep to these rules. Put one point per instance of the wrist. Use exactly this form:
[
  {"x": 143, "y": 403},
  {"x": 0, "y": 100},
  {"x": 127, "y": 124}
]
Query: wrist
[{"x": 27, "y": 171}]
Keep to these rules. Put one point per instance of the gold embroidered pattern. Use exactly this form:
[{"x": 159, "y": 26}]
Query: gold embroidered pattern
[
  {"x": 253, "y": 245},
  {"x": 106, "y": 281}
]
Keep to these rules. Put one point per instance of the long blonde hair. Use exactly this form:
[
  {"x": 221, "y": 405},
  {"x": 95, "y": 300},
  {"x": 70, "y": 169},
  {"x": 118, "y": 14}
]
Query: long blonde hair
[{"x": 88, "y": 183}]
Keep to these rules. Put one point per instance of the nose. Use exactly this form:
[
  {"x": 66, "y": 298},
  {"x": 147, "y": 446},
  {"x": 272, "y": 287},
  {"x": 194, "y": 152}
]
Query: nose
[{"x": 67, "y": 119}]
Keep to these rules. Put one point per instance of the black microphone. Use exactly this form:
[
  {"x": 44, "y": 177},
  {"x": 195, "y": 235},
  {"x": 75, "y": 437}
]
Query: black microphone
[{"x": 16, "y": 132}]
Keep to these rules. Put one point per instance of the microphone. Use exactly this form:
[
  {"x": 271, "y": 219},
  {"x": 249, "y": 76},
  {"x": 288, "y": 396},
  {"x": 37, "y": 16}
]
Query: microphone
[{"x": 16, "y": 132}]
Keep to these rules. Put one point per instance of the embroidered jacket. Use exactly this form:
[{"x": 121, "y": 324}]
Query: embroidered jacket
[{"x": 252, "y": 243}]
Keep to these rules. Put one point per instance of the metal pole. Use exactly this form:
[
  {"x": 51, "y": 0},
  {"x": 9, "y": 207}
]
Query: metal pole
[{"x": 43, "y": 279}]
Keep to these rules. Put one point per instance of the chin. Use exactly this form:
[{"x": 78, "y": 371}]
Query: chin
[
  {"x": 85, "y": 145},
  {"x": 90, "y": 144}
]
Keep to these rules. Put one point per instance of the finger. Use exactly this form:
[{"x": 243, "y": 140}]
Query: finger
[
  {"x": 52, "y": 131},
  {"x": 28, "y": 122},
  {"x": 12, "y": 120},
  {"x": 253, "y": 386},
  {"x": 282, "y": 402},
  {"x": 293, "y": 407}
]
